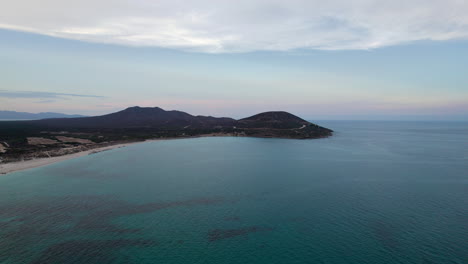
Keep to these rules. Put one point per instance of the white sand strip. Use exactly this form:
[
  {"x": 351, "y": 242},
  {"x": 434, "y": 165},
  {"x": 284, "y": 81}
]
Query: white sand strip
[{"x": 34, "y": 163}]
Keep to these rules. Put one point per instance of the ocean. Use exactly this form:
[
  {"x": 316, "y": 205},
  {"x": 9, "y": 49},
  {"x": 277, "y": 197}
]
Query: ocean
[{"x": 375, "y": 192}]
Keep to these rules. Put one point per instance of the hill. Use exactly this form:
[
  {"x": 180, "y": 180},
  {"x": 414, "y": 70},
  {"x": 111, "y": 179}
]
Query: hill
[
  {"x": 140, "y": 117},
  {"x": 277, "y": 120},
  {"x": 282, "y": 125}
]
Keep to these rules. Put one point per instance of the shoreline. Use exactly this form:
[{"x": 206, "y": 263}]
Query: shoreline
[{"x": 10, "y": 167}]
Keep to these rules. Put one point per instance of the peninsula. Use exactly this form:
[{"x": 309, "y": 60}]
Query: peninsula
[{"x": 55, "y": 137}]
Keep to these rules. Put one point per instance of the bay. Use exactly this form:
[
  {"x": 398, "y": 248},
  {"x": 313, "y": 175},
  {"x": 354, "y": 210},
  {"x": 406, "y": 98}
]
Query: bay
[{"x": 375, "y": 192}]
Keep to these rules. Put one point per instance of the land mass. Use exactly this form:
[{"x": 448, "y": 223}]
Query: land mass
[
  {"x": 54, "y": 137},
  {"x": 13, "y": 115}
]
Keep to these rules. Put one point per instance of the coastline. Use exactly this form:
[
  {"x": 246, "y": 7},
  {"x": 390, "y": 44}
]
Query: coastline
[{"x": 9, "y": 167}]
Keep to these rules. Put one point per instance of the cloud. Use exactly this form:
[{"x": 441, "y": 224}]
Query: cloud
[
  {"x": 46, "y": 101},
  {"x": 242, "y": 25},
  {"x": 46, "y": 96}
]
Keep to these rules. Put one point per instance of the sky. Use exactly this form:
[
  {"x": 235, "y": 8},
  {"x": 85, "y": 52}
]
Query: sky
[{"x": 336, "y": 59}]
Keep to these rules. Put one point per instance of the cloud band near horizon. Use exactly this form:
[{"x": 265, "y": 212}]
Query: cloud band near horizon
[{"x": 43, "y": 95}]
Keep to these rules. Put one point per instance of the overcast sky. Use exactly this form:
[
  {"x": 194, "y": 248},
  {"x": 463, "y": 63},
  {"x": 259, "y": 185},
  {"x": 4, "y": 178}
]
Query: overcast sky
[
  {"x": 320, "y": 59},
  {"x": 242, "y": 25}
]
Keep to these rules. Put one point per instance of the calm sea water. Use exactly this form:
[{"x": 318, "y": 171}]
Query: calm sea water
[{"x": 375, "y": 192}]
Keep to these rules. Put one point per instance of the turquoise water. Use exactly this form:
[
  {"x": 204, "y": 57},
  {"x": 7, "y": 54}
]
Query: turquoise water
[{"x": 376, "y": 192}]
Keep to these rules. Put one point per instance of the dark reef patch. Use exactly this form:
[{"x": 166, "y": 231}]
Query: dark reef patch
[
  {"x": 101, "y": 219},
  {"x": 232, "y": 218},
  {"x": 219, "y": 234},
  {"x": 61, "y": 218},
  {"x": 88, "y": 251}
]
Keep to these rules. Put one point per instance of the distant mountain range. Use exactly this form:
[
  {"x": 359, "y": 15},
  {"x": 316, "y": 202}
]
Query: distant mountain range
[{"x": 13, "y": 115}]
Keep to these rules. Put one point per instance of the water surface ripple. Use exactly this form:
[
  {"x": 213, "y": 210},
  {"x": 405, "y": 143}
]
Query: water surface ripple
[{"x": 375, "y": 192}]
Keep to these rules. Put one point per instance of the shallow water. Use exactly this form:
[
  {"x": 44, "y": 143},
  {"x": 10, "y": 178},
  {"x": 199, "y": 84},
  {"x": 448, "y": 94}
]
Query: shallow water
[{"x": 375, "y": 192}]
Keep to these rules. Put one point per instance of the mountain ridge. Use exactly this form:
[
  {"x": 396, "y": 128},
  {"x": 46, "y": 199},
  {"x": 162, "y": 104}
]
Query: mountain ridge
[
  {"x": 158, "y": 118},
  {"x": 14, "y": 115},
  {"x": 141, "y": 117},
  {"x": 22, "y": 140}
]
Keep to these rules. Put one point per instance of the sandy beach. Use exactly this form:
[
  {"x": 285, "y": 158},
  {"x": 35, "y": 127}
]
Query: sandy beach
[
  {"x": 9, "y": 167},
  {"x": 6, "y": 168}
]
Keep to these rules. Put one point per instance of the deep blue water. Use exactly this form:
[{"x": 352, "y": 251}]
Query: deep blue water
[{"x": 375, "y": 192}]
